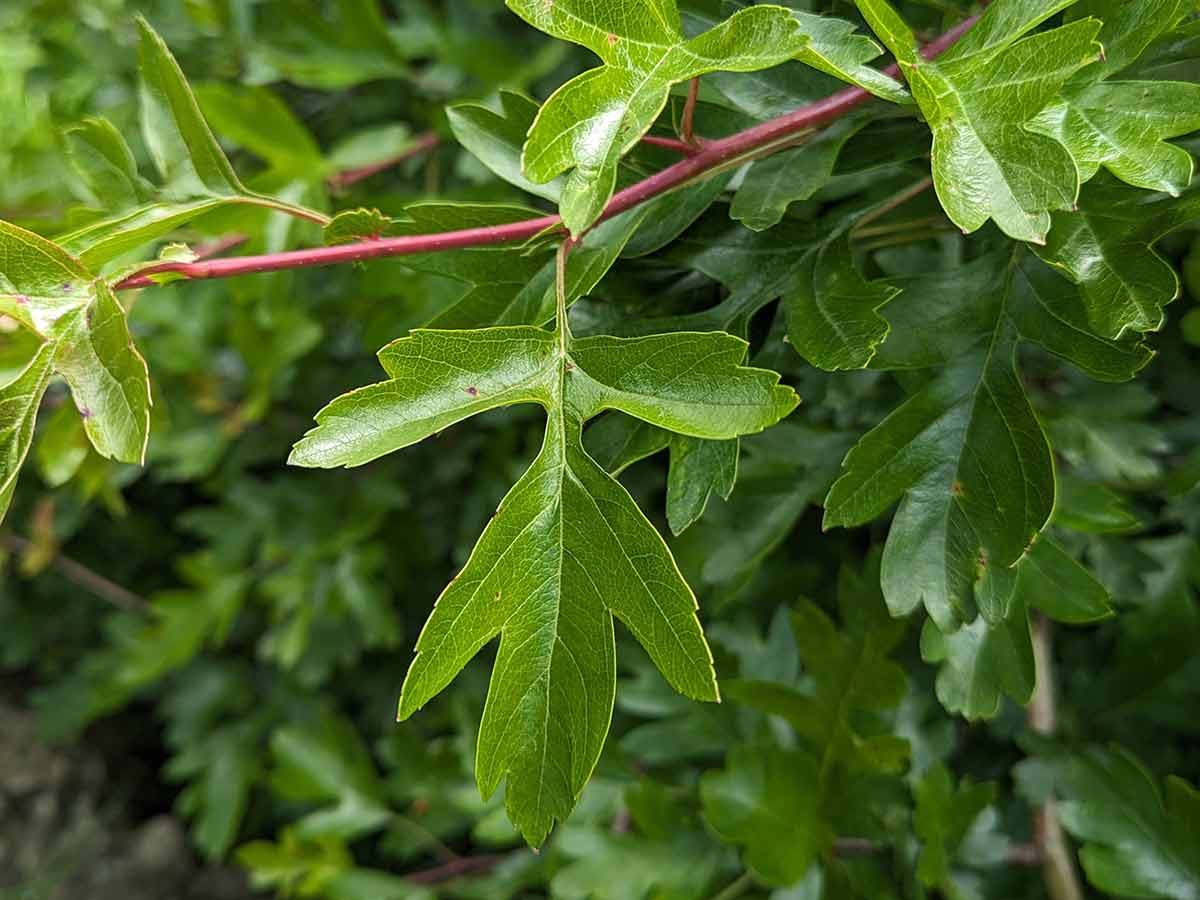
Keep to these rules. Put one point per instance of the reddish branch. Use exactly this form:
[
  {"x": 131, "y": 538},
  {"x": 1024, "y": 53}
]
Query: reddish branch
[
  {"x": 712, "y": 157},
  {"x": 422, "y": 144},
  {"x": 457, "y": 868}
]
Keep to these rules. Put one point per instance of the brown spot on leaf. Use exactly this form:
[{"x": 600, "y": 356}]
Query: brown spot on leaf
[
  {"x": 612, "y": 40},
  {"x": 957, "y": 489},
  {"x": 473, "y": 391},
  {"x": 67, "y": 285}
]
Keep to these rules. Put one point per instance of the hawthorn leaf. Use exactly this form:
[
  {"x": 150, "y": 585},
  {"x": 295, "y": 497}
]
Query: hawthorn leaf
[
  {"x": 496, "y": 136},
  {"x": 833, "y": 311},
  {"x": 944, "y": 814},
  {"x": 774, "y": 183},
  {"x": 1051, "y": 580},
  {"x": 764, "y": 800},
  {"x": 676, "y": 864},
  {"x": 977, "y": 98},
  {"x": 184, "y": 150},
  {"x": 1092, "y": 507},
  {"x": 197, "y": 176},
  {"x": 1106, "y": 247},
  {"x": 851, "y": 674},
  {"x": 39, "y": 280},
  {"x": 568, "y": 548},
  {"x": 1048, "y": 310},
  {"x": 589, "y": 123},
  {"x": 104, "y": 161},
  {"x": 851, "y": 677},
  {"x": 1124, "y": 125},
  {"x": 1139, "y": 839},
  {"x": 699, "y": 469},
  {"x": 52, "y": 293},
  {"x": 109, "y": 382},
  {"x": 981, "y": 661},
  {"x": 19, "y": 402},
  {"x": 837, "y": 49},
  {"x": 972, "y": 463}
]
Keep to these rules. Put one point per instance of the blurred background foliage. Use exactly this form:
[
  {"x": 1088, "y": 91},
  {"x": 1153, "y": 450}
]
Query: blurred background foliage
[{"x": 240, "y": 661}]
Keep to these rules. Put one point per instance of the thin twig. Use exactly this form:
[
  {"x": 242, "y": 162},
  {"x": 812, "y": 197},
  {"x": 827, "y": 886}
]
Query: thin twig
[
  {"x": 687, "y": 125},
  {"x": 1058, "y": 864},
  {"x": 219, "y": 246},
  {"x": 92, "y": 582},
  {"x": 713, "y": 157},
  {"x": 735, "y": 888},
  {"x": 457, "y": 868},
  {"x": 670, "y": 143},
  {"x": 913, "y": 190},
  {"x": 423, "y": 143}
]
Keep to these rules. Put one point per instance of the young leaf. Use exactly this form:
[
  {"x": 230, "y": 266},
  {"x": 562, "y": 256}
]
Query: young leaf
[
  {"x": 109, "y": 381},
  {"x": 19, "y": 401},
  {"x": 568, "y": 548},
  {"x": 183, "y": 148},
  {"x": 977, "y": 99},
  {"x": 590, "y": 122},
  {"x": 53, "y": 294},
  {"x": 198, "y": 178},
  {"x": 106, "y": 164}
]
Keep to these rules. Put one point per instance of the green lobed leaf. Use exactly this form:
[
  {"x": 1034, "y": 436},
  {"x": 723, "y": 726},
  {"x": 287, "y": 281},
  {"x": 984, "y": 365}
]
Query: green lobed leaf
[
  {"x": 590, "y": 122},
  {"x": 1139, "y": 840},
  {"x": 699, "y": 469},
  {"x": 102, "y": 158},
  {"x": 977, "y": 99},
  {"x": 836, "y": 49},
  {"x": 567, "y": 549},
  {"x": 774, "y": 183},
  {"x": 944, "y": 813},
  {"x": 197, "y": 177},
  {"x": 1124, "y": 125},
  {"x": 764, "y": 801},
  {"x": 109, "y": 382},
  {"x": 1106, "y": 248},
  {"x": 851, "y": 676},
  {"x": 19, "y": 401},
  {"x": 53, "y": 294}
]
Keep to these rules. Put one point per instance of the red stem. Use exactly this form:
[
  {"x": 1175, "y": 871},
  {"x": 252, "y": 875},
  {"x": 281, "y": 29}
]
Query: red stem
[
  {"x": 421, "y": 144},
  {"x": 708, "y": 159}
]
